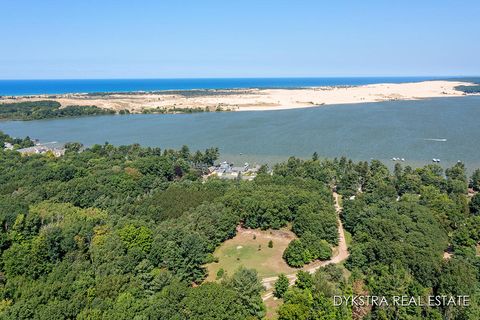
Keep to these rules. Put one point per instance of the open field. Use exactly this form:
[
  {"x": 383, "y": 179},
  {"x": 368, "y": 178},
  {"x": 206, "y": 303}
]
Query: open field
[
  {"x": 244, "y": 250},
  {"x": 339, "y": 255},
  {"x": 253, "y": 99}
]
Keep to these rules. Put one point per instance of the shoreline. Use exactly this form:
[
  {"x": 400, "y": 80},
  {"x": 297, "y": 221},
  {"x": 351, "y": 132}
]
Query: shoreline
[{"x": 256, "y": 99}]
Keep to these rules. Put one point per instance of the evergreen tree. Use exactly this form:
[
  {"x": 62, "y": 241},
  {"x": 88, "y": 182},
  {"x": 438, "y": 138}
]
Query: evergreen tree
[{"x": 281, "y": 285}]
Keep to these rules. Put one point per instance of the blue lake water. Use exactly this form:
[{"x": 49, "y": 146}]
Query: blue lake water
[
  {"x": 359, "y": 131},
  {"x": 32, "y": 87}
]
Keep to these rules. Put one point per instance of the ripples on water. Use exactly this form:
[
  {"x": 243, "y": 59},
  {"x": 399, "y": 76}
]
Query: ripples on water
[{"x": 418, "y": 131}]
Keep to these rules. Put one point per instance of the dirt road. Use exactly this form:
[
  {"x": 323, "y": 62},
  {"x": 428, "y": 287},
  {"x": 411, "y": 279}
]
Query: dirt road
[{"x": 341, "y": 255}]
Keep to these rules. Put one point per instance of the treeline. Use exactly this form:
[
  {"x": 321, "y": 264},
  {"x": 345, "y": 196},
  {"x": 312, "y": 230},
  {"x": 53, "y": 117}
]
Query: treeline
[
  {"x": 165, "y": 110},
  {"x": 17, "y": 143},
  {"x": 36, "y": 110},
  {"x": 49, "y": 109},
  {"x": 469, "y": 89},
  {"x": 172, "y": 110}
]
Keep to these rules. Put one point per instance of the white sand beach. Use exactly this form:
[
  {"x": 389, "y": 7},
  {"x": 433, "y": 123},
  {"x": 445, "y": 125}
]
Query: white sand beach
[{"x": 257, "y": 99}]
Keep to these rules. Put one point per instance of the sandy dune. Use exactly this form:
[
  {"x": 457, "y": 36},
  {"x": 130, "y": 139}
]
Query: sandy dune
[{"x": 257, "y": 99}]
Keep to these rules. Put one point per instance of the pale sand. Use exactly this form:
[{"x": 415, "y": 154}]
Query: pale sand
[{"x": 259, "y": 99}]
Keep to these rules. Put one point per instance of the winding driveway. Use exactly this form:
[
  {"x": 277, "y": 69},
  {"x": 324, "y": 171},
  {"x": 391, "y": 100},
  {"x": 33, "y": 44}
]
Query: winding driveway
[{"x": 341, "y": 255}]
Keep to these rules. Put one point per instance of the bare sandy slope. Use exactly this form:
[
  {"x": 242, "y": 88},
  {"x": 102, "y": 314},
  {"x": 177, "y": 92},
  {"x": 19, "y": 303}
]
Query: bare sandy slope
[{"x": 258, "y": 99}]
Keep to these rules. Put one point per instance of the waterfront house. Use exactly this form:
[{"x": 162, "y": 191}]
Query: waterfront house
[
  {"x": 42, "y": 149},
  {"x": 226, "y": 170},
  {"x": 7, "y": 146}
]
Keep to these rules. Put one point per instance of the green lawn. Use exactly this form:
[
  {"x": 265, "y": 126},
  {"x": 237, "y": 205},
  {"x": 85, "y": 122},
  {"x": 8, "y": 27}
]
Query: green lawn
[{"x": 244, "y": 250}]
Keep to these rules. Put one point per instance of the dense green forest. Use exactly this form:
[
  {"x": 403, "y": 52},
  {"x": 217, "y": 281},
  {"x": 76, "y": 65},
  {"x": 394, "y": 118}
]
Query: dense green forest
[
  {"x": 469, "y": 89},
  {"x": 125, "y": 233},
  {"x": 17, "y": 143},
  {"x": 475, "y": 88},
  {"x": 415, "y": 233},
  {"x": 46, "y": 109}
]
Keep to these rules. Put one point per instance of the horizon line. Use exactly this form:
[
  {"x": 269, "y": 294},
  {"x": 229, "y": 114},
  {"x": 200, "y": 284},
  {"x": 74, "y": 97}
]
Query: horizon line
[{"x": 260, "y": 77}]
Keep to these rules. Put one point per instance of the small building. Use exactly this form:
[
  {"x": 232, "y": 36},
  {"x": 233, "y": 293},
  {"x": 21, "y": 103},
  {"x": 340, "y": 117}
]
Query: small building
[
  {"x": 7, "y": 146},
  {"x": 42, "y": 149},
  {"x": 226, "y": 170}
]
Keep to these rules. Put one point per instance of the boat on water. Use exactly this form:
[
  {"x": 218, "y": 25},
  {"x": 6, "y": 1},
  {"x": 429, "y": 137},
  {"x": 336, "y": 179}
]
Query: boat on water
[{"x": 434, "y": 139}]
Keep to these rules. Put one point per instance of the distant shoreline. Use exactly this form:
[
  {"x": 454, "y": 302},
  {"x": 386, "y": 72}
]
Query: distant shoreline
[
  {"x": 259, "y": 99},
  {"x": 70, "y": 86}
]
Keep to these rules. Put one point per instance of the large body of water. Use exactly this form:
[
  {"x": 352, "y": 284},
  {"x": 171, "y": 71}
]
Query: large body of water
[
  {"x": 32, "y": 87},
  {"x": 404, "y": 129}
]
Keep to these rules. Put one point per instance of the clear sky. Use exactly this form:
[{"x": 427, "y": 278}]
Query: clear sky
[{"x": 175, "y": 39}]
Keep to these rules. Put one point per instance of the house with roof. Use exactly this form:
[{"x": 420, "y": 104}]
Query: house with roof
[
  {"x": 226, "y": 170},
  {"x": 42, "y": 149},
  {"x": 7, "y": 146}
]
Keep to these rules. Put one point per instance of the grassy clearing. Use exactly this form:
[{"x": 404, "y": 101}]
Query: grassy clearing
[{"x": 249, "y": 248}]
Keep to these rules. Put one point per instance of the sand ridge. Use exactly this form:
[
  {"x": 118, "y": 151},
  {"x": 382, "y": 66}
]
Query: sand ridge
[{"x": 255, "y": 99}]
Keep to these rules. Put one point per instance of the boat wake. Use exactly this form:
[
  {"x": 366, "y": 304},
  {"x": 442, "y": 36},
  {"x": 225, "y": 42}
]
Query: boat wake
[{"x": 431, "y": 139}]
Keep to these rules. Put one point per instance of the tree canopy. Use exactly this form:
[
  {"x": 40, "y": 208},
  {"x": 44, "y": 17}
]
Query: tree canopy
[
  {"x": 44, "y": 109},
  {"x": 125, "y": 232}
]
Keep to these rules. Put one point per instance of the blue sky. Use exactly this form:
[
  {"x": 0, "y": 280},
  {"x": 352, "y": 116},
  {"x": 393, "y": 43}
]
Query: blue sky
[{"x": 174, "y": 39}]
